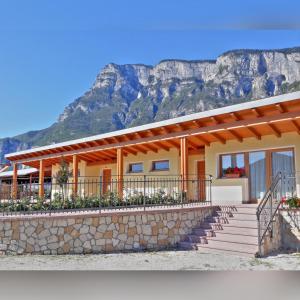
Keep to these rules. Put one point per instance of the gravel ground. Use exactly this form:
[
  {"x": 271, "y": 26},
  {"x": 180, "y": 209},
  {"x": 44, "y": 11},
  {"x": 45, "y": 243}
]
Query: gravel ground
[{"x": 170, "y": 260}]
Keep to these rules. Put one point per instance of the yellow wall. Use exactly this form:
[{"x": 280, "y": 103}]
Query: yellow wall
[
  {"x": 146, "y": 159},
  {"x": 236, "y": 190},
  {"x": 82, "y": 173},
  {"x": 94, "y": 172},
  {"x": 89, "y": 181}
]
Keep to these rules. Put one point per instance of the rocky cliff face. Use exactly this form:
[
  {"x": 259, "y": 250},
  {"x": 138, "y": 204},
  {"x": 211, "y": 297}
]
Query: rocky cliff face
[{"x": 129, "y": 95}]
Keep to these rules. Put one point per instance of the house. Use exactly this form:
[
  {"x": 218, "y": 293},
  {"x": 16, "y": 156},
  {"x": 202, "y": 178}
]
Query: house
[{"x": 229, "y": 154}]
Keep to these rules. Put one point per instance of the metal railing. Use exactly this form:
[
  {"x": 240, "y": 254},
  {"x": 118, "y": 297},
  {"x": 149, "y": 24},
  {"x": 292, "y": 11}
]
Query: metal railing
[
  {"x": 268, "y": 208},
  {"x": 100, "y": 194}
]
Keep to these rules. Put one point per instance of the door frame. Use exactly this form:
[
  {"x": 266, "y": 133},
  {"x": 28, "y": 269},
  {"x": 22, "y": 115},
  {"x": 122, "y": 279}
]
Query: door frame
[
  {"x": 105, "y": 183},
  {"x": 201, "y": 188},
  {"x": 268, "y": 165}
]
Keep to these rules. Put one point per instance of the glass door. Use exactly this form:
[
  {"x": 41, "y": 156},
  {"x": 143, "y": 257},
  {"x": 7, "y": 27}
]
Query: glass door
[
  {"x": 257, "y": 174},
  {"x": 283, "y": 161}
]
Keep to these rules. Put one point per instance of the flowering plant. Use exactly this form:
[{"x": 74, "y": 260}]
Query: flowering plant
[
  {"x": 292, "y": 202},
  {"x": 235, "y": 170}
]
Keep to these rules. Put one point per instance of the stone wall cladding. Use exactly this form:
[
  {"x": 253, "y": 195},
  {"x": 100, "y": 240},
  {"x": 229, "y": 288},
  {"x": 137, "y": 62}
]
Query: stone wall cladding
[
  {"x": 273, "y": 243},
  {"x": 98, "y": 233},
  {"x": 286, "y": 232},
  {"x": 290, "y": 229}
]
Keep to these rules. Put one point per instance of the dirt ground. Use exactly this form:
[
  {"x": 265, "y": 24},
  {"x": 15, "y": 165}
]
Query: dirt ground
[{"x": 169, "y": 260}]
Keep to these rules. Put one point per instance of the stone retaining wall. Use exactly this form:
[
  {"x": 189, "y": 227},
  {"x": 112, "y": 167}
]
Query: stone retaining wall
[
  {"x": 98, "y": 233},
  {"x": 273, "y": 243},
  {"x": 290, "y": 229},
  {"x": 286, "y": 232}
]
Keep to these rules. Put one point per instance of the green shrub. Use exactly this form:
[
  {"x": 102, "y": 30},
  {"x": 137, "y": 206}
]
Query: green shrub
[
  {"x": 60, "y": 201},
  {"x": 293, "y": 202}
]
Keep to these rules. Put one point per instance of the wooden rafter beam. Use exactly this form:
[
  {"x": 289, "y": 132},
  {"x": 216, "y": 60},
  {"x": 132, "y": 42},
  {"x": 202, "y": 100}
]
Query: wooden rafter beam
[
  {"x": 96, "y": 143},
  {"x": 151, "y": 132},
  {"x": 99, "y": 163},
  {"x": 105, "y": 142},
  {"x": 161, "y": 145},
  {"x": 77, "y": 146},
  {"x": 218, "y": 137},
  {"x": 166, "y": 130},
  {"x": 181, "y": 126},
  {"x": 129, "y": 150},
  {"x": 140, "y": 149},
  {"x": 257, "y": 112},
  {"x": 296, "y": 125},
  {"x": 105, "y": 154},
  {"x": 150, "y": 147},
  {"x": 193, "y": 145},
  {"x": 202, "y": 140},
  {"x": 173, "y": 143},
  {"x": 235, "y": 116},
  {"x": 85, "y": 158},
  {"x": 236, "y": 135},
  {"x": 254, "y": 132},
  {"x": 174, "y": 135},
  {"x": 114, "y": 139},
  {"x": 274, "y": 129},
  {"x": 198, "y": 123},
  {"x": 92, "y": 156},
  {"x": 113, "y": 152},
  {"x": 138, "y": 135},
  {"x": 281, "y": 108},
  {"x": 125, "y": 137},
  {"x": 215, "y": 120}
]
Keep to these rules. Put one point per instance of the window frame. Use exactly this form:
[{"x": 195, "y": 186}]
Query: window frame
[
  {"x": 130, "y": 171},
  {"x": 160, "y": 161},
  {"x": 246, "y": 164}
]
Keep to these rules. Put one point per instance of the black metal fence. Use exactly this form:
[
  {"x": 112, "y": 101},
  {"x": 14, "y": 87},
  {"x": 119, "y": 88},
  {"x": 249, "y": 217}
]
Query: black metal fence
[
  {"x": 268, "y": 207},
  {"x": 289, "y": 184},
  {"x": 99, "y": 193}
]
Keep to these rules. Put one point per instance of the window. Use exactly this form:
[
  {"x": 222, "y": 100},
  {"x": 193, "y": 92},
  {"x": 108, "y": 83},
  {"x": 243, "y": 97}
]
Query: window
[
  {"x": 232, "y": 164},
  {"x": 162, "y": 165},
  {"x": 136, "y": 168}
]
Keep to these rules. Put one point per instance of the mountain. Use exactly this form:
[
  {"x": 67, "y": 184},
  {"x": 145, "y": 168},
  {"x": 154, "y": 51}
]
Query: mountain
[{"x": 129, "y": 95}]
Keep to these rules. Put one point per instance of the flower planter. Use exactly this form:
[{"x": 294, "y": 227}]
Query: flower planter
[{"x": 234, "y": 175}]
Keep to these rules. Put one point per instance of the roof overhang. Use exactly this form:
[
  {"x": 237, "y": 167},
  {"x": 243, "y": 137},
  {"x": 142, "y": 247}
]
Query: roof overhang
[{"x": 274, "y": 115}]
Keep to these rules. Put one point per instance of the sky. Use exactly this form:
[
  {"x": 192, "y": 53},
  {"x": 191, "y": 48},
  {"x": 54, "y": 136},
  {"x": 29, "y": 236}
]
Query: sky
[{"x": 51, "y": 51}]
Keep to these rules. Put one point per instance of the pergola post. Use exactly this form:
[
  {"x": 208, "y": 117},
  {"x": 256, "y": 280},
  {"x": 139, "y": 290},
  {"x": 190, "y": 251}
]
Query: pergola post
[
  {"x": 30, "y": 185},
  {"x": 41, "y": 179},
  {"x": 75, "y": 175},
  {"x": 184, "y": 163},
  {"x": 14, "y": 193},
  {"x": 120, "y": 170}
]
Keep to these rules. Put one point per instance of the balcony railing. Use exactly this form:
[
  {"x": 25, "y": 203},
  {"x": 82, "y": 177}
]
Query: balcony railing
[{"x": 100, "y": 194}]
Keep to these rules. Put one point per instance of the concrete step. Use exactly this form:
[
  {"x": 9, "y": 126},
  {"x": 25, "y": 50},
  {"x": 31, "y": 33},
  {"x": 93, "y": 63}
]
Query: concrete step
[
  {"x": 227, "y": 252},
  {"x": 239, "y": 215},
  {"x": 240, "y": 209},
  {"x": 203, "y": 232},
  {"x": 211, "y": 225},
  {"x": 229, "y": 247},
  {"x": 237, "y": 230},
  {"x": 217, "y": 219},
  {"x": 233, "y": 238},
  {"x": 187, "y": 246},
  {"x": 196, "y": 239},
  {"x": 232, "y": 229},
  {"x": 241, "y": 223}
]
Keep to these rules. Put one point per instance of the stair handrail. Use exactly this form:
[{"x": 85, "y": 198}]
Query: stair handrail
[{"x": 268, "y": 208}]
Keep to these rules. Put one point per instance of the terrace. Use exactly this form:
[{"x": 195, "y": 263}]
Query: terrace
[{"x": 99, "y": 194}]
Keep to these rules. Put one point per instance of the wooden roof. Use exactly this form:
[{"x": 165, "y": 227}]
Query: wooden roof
[{"x": 240, "y": 122}]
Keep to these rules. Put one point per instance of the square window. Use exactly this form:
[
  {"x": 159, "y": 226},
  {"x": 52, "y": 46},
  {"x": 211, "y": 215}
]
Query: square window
[
  {"x": 136, "y": 168},
  {"x": 162, "y": 165},
  {"x": 232, "y": 165}
]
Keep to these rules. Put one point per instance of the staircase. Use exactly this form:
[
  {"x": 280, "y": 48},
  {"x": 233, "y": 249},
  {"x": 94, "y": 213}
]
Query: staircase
[{"x": 232, "y": 230}]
